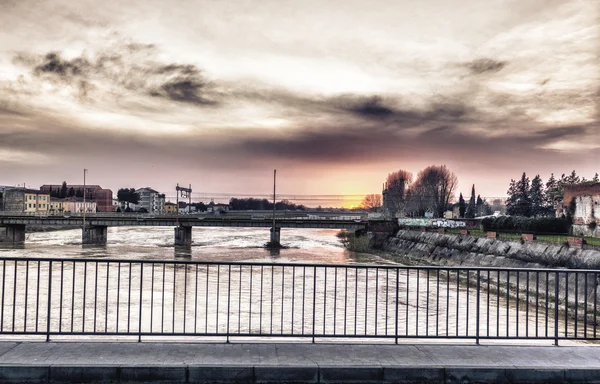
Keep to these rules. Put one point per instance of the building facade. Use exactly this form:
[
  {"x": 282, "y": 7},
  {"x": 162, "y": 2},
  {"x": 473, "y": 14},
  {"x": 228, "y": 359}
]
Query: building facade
[
  {"x": 25, "y": 200},
  {"x": 151, "y": 200},
  {"x": 584, "y": 200},
  {"x": 102, "y": 197},
  {"x": 71, "y": 205},
  {"x": 170, "y": 208}
]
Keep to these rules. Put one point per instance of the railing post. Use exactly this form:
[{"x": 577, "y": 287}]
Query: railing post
[
  {"x": 556, "y": 274},
  {"x": 49, "y": 301},
  {"x": 397, "y": 299},
  {"x": 314, "y": 302},
  {"x": 141, "y": 291},
  {"x": 478, "y": 305}
]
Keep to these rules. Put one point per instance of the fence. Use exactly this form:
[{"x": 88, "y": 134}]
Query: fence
[{"x": 73, "y": 297}]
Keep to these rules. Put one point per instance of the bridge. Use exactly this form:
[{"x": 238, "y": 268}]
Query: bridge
[{"x": 94, "y": 228}]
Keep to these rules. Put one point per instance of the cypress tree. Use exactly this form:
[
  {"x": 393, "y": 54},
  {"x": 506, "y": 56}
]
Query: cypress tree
[
  {"x": 536, "y": 195},
  {"x": 523, "y": 200},
  {"x": 471, "y": 207},
  {"x": 511, "y": 202},
  {"x": 479, "y": 205},
  {"x": 462, "y": 206}
]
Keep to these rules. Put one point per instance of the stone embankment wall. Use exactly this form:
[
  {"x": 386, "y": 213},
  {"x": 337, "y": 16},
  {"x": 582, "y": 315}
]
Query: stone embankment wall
[
  {"x": 448, "y": 249},
  {"x": 457, "y": 250}
]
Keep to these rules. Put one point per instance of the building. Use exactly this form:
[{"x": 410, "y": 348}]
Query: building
[
  {"x": 583, "y": 200},
  {"x": 218, "y": 208},
  {"x": 152, "y": 201},
  {"x": 104, "y": 200},
  {"x": 170, "y": 208},
  {"x": 15, "y": 199},
  {"x": 71, "y": 205},
  {"x": 90, "y": 190},
  {"x": 25, "y": 200},
  {"x": 102, "y": 197}
]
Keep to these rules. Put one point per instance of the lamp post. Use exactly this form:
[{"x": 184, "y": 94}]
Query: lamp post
[{"x": 84, "y": 208}]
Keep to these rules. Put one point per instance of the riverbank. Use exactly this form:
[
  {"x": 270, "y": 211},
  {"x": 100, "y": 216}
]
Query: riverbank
[{"x": 454, "y": 250}]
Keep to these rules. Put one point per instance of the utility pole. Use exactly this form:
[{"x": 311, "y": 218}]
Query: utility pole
[
  {"x": 84, "y": 207},
  {"x": 274, "y": 181}
]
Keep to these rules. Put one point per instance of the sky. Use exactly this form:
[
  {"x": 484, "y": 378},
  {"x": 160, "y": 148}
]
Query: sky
[{"x": 335, "y": 95}]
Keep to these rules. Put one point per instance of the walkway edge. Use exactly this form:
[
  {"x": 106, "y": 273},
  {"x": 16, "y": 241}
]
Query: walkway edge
[{"x": 290, "y": 374}]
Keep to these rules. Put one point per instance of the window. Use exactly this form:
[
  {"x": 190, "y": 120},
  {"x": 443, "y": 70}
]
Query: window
[{"x": 29, "y": 205}]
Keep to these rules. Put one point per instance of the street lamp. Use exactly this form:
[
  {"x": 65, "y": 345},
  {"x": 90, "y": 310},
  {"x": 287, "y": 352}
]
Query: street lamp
[{"x": 84, "y": 208}]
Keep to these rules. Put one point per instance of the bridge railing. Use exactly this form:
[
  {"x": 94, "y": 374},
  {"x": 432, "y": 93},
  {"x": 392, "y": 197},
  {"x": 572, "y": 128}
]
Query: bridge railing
[
  {"x": 233, "y": 215},
  {"x": 74, "y": 297}
]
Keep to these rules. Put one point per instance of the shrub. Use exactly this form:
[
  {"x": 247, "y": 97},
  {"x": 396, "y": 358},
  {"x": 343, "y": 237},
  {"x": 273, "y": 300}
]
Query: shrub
[
  {"x": 353, "y": 243},
  {"x": 526, "y": 224}
]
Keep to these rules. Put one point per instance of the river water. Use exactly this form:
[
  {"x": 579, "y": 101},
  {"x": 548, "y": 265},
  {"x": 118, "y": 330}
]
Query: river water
[
  {"x": 191, "y": 295},
  {"x": 209, "y": 244}
]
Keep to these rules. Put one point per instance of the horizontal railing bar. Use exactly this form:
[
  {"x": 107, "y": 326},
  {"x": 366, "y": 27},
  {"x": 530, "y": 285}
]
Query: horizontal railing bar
[
  {"x": 299, "y": 336},
  {"x": 299, "y": 265}
]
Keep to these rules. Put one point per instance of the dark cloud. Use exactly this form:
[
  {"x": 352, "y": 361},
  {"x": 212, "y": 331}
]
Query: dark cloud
[
  {"x": 122, "y": 70},
  {"x": 485, "y": 65},
  {"x": 53, "y": 64},
  {"x": 372, "y": 107}
]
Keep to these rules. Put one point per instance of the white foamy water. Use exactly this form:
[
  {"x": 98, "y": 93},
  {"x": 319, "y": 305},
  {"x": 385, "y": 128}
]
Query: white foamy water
[{"x": 209, "y": 244}]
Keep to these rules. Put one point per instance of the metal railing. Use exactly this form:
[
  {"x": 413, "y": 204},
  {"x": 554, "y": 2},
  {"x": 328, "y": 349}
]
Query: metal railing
[{"x": 74, "y": 297}]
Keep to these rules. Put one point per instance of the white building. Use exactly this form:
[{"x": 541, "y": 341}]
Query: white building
[{"x": 151, "y": 200}]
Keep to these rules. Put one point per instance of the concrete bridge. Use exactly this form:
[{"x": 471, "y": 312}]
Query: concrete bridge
[{"x": 94, "y": 231}]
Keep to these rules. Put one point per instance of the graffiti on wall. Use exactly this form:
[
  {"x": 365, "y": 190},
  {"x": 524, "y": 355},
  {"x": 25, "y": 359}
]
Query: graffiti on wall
[
  {"x": 410, "y": 222},
  {"x": 436, "y": 223},
  {"x": 448, "y": 224}
]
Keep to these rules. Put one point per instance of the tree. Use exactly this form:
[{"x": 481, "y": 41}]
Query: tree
[
  {"x": 536, "y": 194},
  {"x": 595, "y": 179},
  {"x": 63, "y": 190},
  {"x": 200, "y": 207},
  {"x": 462, "y": 206},
  {"x": 572, "y": 178},
  {"x": 128, "y": 195},
  {"x": 396, "y": 186},
  {"x": 511, "y": 202},
  {"x": 552, "y": 193},
  {"x": 434, "y": 188},
  {"x": 471, "y": 208},
  {"x": 523, "y": 199},
  {"x": 371, "y": 202},
  {"x": 79, "y": 193},
  {"x": 71, "y": 192},
  {"x": 479, "y": 206}
]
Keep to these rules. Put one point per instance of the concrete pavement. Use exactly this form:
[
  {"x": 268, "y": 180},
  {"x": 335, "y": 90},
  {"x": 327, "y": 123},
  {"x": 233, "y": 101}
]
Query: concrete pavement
[{"x": 104, "y": 362}]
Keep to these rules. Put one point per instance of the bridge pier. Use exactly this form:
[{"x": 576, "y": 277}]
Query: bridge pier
[
  {"x": 183, "y": 236},
  {"x": 275, "y": 236},
  {"x": 94, "y": 235},
  {"x": 15, "y": 234}
]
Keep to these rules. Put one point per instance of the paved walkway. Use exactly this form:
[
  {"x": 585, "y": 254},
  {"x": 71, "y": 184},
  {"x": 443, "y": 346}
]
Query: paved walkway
[{"x": 103, "y": 362}]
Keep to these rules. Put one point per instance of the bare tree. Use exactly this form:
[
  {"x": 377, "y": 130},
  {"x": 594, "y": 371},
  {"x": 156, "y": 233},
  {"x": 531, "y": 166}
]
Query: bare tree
[
  {"x": 396, "y": 187},
  {"x": 433, "y": 189},
  {"x": 371, "y": 202}
]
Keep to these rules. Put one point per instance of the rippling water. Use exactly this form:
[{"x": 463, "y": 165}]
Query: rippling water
[{"x": 209, "y": 244}]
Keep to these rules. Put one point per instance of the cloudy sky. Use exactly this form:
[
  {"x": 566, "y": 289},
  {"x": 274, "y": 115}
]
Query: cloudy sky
[{"x": 334, "y": 94}]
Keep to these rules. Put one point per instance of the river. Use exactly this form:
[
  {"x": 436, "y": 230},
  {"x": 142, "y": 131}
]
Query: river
[{"x": 209, "y": 244}]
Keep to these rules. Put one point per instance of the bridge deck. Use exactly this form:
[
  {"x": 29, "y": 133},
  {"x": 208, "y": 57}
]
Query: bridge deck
[
  {"x": 289, "y": 362},
  {"x": 77, "y": 221}
]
